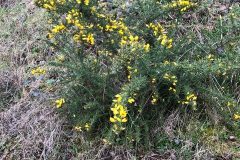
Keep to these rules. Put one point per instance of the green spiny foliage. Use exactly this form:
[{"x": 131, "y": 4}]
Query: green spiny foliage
[{"x": 128, "y": 64}]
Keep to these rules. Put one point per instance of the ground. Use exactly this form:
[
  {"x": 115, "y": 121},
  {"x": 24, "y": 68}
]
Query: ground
[{"x": 31, "y": 127}]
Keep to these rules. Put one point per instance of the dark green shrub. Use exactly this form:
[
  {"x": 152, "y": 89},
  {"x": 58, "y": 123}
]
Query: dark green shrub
[{"x": 125, "y": 65}]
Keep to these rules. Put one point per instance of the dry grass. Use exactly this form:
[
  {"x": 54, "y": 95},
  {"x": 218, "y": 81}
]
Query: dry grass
[
  {"x": 29, "y": 130},
  {"x": 21, "y": 38},
  {"x": 10, "y": 86},
  {"x": 6, "y": 3}
]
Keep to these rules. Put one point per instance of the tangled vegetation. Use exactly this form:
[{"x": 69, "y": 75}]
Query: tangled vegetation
[
  {"x": 143, "y": 79},
  {"x": 124, "y": 65}
]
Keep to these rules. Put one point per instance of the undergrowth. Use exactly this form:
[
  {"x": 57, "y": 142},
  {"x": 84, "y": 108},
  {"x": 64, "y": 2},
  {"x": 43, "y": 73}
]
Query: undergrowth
[
  {"x": 137, "y": 79},
  {"x": 124, "y": 66}
]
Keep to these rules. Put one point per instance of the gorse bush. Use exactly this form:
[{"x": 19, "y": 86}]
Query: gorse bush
[{"x": 123, "y": 65}]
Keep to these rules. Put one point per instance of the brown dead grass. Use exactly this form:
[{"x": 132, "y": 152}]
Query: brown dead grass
[
  {"x": 29, "y": 130},
  {"x": 23, "y": 27},
  {"x": 10, "y": 85}
]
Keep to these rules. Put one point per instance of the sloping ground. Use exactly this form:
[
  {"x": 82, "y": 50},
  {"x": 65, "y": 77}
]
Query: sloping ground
[{"x": 30, "y": 128}]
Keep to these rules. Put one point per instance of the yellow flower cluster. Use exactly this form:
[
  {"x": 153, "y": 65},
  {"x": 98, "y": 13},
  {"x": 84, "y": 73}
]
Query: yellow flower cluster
[
  {"x": 60, "y": 102},
  {"x": 161, "y": 35},
  {"x": 86, "y": 2},
  {"x": 231, "y": 104},
  {"x": 154, "y": 98},
  {"x": 129, "y": 40},
  {"x": 146, "y": 47},
  {"x": 38, "y": 71},
  {"x": 119, "y": 114},
  {"x": 126, "y": 37},
  {"x": 131, "y": 100},
  {"x": 56, "y": 29},
  {"x": 60, "y": 58},
  {"x": 115, "y": 25},
  {"x": 169, "y": 63},
  {"x": 236, "y": 116},
  {"x": 170, "y": 78},
  {"x": 153, "y": 80},
  {"x": 131, "y": 71},
  {"x": 83, "y": 34},
  {"x": 210, "y": 57},
  {"x": 72, "y": 18},
  {"x": 89, "y": 38},
  {"x": 86, "y": 127},
  {"x": 191, "y": 99},
  {"x": 173, "y": 80},
  {"x": 50, "y": 4},
  {"x": 122, "y": 30},
  {"x": 183, "y": 5}
]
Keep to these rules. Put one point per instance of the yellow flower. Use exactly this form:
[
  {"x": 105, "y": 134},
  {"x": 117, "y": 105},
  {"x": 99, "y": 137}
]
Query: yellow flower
[
  {"x": 123, "y": 42},
  {"x": 124, "y": 120},
  {"x": 49, "y": 7},
  {"x": 183, "y": 5},
  {"x": 119, "y": 113},
  {"x": 58, "y": 28},
  {"x": 118, "y": 98},
  {"x": 146, "y": 47},
  {"x": 87, "y": 126},
  {"x": 105, "y": 141},
  {"x": 123, "y": 113},
  {"x": 164, "y": 40},
  {"x": 133, "y": 39},
  {"x": 154, "y": 80},
  {"x": 131, "y": 100},
  {"x": 169, "y": 43},
  {"x": 78, "y": 24},
  {"x": 76, "y": 37},
  {"x": 93, "y": 9},
  {"x": 86, "y": 2},
  {"x": 236, "y": 116},
  {"x": 38, "y": 71},
  {"x": 78, "y": 128},
  {"x": 210, "y": 57},
  {"x": 117, "y": 119},
  {"x": 191, "y": 97},
  {"x": 89, "y": 38},
  {"x": 153, "y": 101},
  {"x": 129, "y": 67},
  {"x": 172, "y": 89},
  {"x": 121, "y": 32},
  {"x": 60, "y": 102},
  {"x": 114, "y": 110},
  {"x": 112, "y": 120},
  {"x": 50, "y": 35},
  {"x": 60, "y": 58}
]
